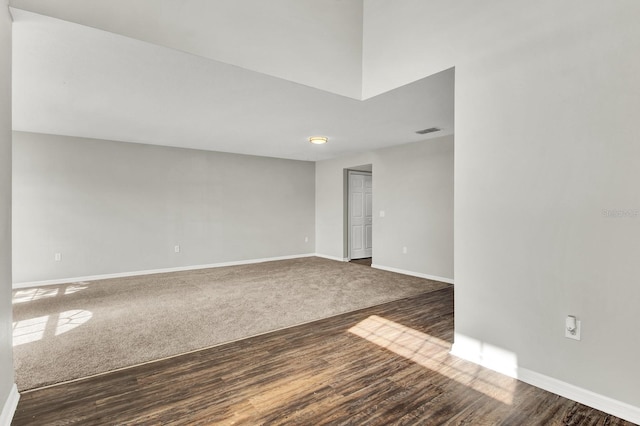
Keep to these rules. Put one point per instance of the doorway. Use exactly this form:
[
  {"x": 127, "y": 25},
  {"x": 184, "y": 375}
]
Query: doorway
[{"x": 360, "y": 214}]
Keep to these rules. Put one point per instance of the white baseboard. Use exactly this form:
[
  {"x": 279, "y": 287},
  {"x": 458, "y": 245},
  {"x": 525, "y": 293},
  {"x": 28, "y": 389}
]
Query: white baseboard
[
  {"x": 155, "y": 271},
  {"x": 612, "y": 406},
  {"x": 600, "y": 402},
  {"x": 488, "y": 356},
  {"x": 324, "y": 256},
  {"x": 413, "y": 274},
  {"x": 9, "y": 407}
]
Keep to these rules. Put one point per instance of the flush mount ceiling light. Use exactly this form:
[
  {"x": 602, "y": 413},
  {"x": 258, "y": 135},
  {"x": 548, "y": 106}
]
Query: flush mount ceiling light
[{"x": 318, "y": 140}]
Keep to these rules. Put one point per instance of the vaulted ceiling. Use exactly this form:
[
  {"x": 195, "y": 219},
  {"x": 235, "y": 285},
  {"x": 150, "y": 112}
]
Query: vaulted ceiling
[{"x": 248, "y": 77}]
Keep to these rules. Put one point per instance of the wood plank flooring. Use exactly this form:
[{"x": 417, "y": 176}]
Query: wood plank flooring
[{"x": 378, "y": 366}]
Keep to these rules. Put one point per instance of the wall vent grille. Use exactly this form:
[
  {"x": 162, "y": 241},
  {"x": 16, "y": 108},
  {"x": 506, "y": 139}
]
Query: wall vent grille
[{"x": 429, "y": 130}]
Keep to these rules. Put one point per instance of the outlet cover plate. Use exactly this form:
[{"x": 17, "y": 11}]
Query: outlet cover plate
[{"x": 576, "y": 335}]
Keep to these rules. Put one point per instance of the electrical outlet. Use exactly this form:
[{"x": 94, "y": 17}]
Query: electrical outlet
[
  {"x": 382, "y": 213},
  {"x": 58, "y": 257},
  {"x": 306, "y": 239},
  {"x": 404, "y": 250},
  {"x": 575, "y": 334},
  {"x": 176, "y": 249}
]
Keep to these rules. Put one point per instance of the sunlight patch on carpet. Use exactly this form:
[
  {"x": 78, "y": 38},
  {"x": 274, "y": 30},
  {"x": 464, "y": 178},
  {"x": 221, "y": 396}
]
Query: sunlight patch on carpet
[{"x": 34, "y": 329}]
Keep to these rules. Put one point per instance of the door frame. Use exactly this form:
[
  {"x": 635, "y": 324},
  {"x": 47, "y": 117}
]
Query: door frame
[{"x": 348, "y": 207}]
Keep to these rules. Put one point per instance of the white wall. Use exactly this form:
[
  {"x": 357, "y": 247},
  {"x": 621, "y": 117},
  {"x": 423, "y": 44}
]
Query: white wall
[
  {"x": 413, "y": 184},
  {"x": 113, "y": 207},
  {"x": 317, "y": 43},
  {"x": 330, "y": 198},
  {"x": 547, "y": 96},
  {"x": 6, "y": 347}
]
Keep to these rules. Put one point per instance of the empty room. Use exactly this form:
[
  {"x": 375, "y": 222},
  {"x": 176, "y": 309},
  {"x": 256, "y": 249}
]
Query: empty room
[{"x": 319, "y": 212}]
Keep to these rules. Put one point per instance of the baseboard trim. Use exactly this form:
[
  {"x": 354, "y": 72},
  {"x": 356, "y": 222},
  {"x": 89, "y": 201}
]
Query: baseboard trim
[
  {"x": 9, "y": 407},
  {"x": 600, "y": 402},
  {"x": 324, "y": 256},
  {"x": 487, "y": 356},
  {"x": 156, "y": 271},
  {"x": 413, "y": 274}
]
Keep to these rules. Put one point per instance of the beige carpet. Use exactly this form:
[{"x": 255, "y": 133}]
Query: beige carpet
[{"x": 63, "y": 332}]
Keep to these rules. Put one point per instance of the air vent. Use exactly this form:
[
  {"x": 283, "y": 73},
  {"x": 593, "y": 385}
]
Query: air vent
[{"x": 429, "y": 130}]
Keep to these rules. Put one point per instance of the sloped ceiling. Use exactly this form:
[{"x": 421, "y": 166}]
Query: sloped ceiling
[
  {"x": 79, "y": 80},
  {"x": 317, "y": 43}
]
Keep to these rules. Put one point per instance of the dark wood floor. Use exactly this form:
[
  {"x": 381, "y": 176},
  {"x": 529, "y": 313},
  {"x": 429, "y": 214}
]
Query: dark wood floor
[{"x": 378, "y": 366}]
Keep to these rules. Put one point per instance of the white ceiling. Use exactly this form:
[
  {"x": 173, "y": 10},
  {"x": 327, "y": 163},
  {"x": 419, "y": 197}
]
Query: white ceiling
[
  {"x": 317, "y": 43},
  {"x": 71, "y": 79}
]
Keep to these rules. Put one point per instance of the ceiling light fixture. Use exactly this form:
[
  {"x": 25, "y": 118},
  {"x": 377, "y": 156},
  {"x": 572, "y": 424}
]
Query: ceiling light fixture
[{"x": 318, "y": 140}]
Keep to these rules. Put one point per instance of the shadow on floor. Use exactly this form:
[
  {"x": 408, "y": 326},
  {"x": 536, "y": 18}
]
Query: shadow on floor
[{"x": 366, "y": 261}]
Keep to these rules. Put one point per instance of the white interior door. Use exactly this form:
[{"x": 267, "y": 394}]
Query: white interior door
[{"x": 360, "y": 215}]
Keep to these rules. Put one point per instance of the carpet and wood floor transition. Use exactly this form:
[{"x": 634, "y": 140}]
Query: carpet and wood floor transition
[
  {"x": 74, "y": 330},
  {"x": 386, "y": 364}
]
